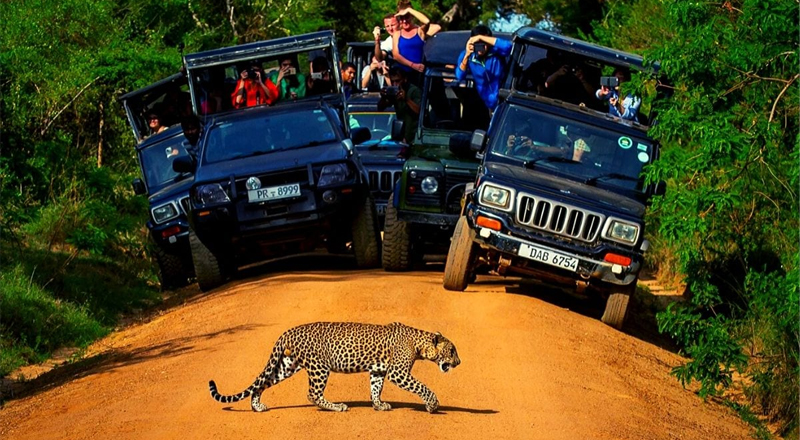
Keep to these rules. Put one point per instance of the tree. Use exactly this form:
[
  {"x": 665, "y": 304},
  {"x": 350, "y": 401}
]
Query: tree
[{"x": 730, "y": 137}]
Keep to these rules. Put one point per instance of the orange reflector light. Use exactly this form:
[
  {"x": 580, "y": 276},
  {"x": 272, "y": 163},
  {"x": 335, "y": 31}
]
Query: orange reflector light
[
  {"x": 203, "y": 213},
  {"x": 412, "y": 190},
  {"x": 618, "y": 259},
  {"x": 488, "y": 223},
  {"x": 347, "y": 190},
  {"x": 169, "y": 232}
]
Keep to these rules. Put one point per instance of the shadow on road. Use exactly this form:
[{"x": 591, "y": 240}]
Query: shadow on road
[
  {"x": 362, "y": 404},
  {"x": 641, "y": 321},
  {"x": 109, "y": 361}
]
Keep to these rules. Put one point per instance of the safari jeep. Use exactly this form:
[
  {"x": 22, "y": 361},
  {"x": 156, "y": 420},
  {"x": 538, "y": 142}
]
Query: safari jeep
[
  {"x": 560, "y": 194},
  {"x": 278, "y": 179},
  {"x": 167, "y": 191},
  {"x": 426, "y": 202}
]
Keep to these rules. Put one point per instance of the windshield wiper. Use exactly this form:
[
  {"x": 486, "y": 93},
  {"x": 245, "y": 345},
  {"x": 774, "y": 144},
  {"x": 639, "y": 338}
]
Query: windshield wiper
[
  {"x": 593, "y": 180},
  {"x": 530, "y": 163}
]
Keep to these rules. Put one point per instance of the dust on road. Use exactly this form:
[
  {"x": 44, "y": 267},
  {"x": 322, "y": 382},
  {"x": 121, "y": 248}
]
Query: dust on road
[{"x": 536, "y": 364}]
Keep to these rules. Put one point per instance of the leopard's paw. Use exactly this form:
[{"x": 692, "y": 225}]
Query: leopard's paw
[{"x": 383, "y": 406}]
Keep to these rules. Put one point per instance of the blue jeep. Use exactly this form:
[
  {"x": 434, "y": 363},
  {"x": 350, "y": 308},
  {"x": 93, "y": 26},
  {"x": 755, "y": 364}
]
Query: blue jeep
[
  {"x": 559, "y": 194},
  {"x": 278, "y": 179},
  {"x": 167, "y": 190}
]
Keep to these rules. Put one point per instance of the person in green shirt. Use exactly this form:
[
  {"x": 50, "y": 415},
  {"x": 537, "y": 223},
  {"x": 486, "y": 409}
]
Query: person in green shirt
[
  {"x": 406, "y": 98},
  {"x": 291, "y": 83}
]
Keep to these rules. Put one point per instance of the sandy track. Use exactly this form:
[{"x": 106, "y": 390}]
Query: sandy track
[{"x": 535, "y": 364}]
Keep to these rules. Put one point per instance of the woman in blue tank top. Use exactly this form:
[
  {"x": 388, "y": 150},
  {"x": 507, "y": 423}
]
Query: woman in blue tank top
[{"x": 409, "y": 39}]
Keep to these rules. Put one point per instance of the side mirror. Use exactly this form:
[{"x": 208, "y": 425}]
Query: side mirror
[
  {"x": 397, "y": 131},
  {"x": 138, "y": 187},
  {"x": 460, "y": 143},
  {"x": 478, "y": 140},
  {"x": 183, "y": 164},
  {"x": 360, "y": 135}
]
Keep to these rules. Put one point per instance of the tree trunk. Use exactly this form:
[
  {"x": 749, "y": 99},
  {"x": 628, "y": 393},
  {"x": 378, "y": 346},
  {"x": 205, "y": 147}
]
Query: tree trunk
[{"x": 100, "y": 137}]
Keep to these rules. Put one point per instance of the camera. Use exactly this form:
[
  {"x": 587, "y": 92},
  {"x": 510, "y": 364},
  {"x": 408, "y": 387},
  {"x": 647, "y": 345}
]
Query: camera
[
  {"x": 291, "y": 71},
  {"x": 609, "y": 81},
  {"x": 480, "y": 46},
  {"x": 390, "y": 92},
  {"x": 318, "y": 75}
]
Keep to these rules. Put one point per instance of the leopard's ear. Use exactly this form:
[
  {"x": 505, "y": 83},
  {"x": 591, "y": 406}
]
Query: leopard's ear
[{"x": 436, "y": 337}]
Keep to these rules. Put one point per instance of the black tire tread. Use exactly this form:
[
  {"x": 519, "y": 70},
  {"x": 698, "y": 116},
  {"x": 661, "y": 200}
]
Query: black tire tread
[
  {"x": 208, "y": 268},
  {"x": 171, "y": 273},
  {"x": 617, "y": 306},
  {"x": 460, "y": 256},
  {"x": 366, "y": 237},
  {"x": 396, "y": 241}
]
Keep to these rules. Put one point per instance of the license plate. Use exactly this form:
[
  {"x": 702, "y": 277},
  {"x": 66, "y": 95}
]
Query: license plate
[
  {"x": 273, "y": 193},
  {"x": 381, "y": 209},
  {"x": 548, "y": 257}
]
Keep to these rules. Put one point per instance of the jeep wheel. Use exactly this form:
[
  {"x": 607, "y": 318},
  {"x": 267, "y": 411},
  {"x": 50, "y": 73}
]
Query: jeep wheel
[
  {"x": 171, "y": 272},
  {"x": 458, "y": 269},
  {"x": 366, "y": 238},
  {"x": 208, "y": 266},
  {"x": 617, "y": 305},
  {"x": 396, "y": 241}
]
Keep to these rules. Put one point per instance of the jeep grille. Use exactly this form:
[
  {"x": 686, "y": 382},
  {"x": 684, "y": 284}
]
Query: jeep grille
[
  {"x": 185, "y": 205},
  {"x": 558, "y": 218},
  {"x": 382, "y": 181},
  {"x": 455, "y": 183}
]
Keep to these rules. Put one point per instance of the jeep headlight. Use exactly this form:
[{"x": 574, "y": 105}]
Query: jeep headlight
[
  {"x": 165, "y": 212},
  {"x": 622, "y": 232},
  {"x": 429, "y": 185},
  {"x": 211, "y": 194},
  {"x": 333, "y": 174},
  {"x": 496, "y": 197}
]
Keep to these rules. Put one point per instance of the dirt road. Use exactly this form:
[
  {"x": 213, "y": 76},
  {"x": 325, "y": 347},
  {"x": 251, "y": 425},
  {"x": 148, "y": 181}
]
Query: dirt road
[{"x": 535, "y": 364}]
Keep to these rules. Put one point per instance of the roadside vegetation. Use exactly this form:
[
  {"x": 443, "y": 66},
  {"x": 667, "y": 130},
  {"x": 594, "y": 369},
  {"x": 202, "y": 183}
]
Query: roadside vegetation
[{"x": 73, "y": 252}]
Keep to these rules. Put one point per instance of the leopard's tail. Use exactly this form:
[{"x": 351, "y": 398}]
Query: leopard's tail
[{"x": 257, "y": 385}]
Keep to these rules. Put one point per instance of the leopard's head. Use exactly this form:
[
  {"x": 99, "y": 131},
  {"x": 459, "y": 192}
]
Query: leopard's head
[{"x": 444, "y": 353}]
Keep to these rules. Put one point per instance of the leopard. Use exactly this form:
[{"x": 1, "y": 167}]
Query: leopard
[{"x": 385, "y": 351}]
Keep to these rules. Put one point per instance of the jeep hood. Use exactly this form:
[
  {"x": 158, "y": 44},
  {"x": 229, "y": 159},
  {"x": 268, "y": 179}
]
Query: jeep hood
[
  {"x": 561, "y": 188},
  {"x": 172, "y": 191},
  {"x": 270, "y": 162}
]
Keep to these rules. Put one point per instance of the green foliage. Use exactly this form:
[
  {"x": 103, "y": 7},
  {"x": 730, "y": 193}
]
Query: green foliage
[
  {"x": 730, "y": 156},
  {"x": 34, "y": 323}
]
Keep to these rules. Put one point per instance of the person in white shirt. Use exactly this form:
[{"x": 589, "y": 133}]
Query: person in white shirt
[
  {"x": 375, "y": 76},
  {"x": 384, "y": 48}
]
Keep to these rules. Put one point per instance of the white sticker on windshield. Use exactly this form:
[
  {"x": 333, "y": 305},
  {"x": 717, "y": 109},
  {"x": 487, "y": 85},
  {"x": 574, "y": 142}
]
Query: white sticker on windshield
[
  {"x": 625, "y": 142},
  {"x": 322, "y": 118},
  {"x": 317, "y": 111},
  {"x": 644, "y": 157},
  {"x": 642, "y": 147}
]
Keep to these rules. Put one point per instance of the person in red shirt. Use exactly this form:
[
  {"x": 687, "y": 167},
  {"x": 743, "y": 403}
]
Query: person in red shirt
[{"x": 254, "y": 88}]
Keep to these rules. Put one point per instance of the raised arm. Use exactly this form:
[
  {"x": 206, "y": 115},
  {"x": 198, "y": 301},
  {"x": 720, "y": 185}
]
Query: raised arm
[{"x": 424, "y": 21}]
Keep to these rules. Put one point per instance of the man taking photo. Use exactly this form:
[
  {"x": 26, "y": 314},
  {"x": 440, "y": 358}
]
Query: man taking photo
[
  {"x": 485, "y": 58},
  {"x": 406, "y": 98}
]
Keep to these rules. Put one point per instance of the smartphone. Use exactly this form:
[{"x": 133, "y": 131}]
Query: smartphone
[
  {"x": 291, "y": 71},
  {"x": 609, "y": 81}
]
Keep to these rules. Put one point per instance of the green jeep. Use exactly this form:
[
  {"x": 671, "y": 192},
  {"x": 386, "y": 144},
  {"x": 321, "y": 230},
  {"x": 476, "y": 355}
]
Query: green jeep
[{"x": 424, "y": 207}]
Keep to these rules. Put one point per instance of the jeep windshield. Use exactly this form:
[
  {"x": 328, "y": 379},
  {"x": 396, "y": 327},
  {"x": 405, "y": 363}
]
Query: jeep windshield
[
  {"x": 594, "y": 155},
  {"x": 264, "y": 133},
  {"x": 157, "y": 161},
  {"x": 379, "y": 123}
]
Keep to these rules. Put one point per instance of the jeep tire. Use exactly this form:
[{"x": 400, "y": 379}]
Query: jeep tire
[
  {"x": 460, "y": 257},
  {"x": 171, "y": 272},
  {"x": 366, "y": 238},
  {"x": 396, "y": 241},
  {"x": 209, "y": 267},
  {"x": 617, "y": 305}
]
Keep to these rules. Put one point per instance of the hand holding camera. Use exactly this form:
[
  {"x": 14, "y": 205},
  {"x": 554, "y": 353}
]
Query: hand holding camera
[{"x": 376, "y": 32}]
